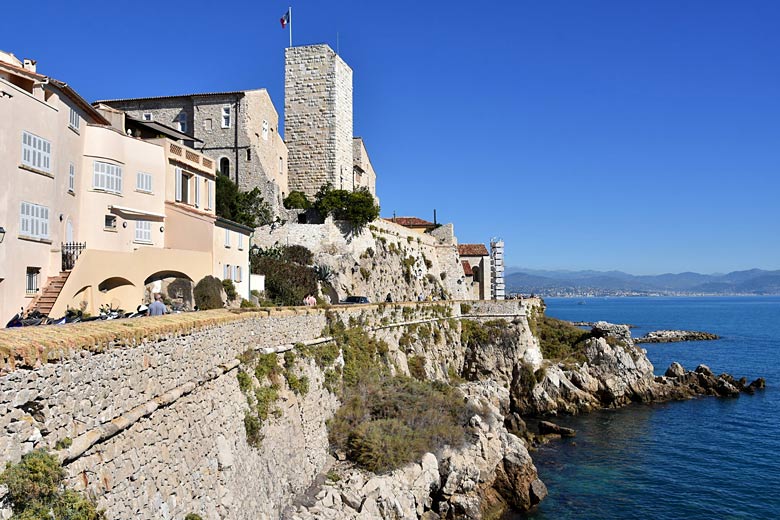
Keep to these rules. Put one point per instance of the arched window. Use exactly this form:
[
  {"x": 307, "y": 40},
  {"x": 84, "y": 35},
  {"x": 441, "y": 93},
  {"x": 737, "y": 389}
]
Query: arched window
[{"x": 224, "y": 166}]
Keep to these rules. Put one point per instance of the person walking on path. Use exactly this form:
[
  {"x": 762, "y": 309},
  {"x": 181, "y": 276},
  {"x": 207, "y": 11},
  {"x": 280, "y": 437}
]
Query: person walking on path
[{"x": 157, "y": 307}]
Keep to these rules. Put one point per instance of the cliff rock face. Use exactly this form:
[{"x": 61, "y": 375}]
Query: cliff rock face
[
  {"x": 491, "y": 472},
  {"x": 384, "y": 258}
]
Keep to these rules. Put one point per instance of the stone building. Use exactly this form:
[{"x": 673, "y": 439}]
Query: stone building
[
  {"x": 239, "y": 130},
  {"x": 476, "y": 267},
  {"x": 318, "y": 123}
]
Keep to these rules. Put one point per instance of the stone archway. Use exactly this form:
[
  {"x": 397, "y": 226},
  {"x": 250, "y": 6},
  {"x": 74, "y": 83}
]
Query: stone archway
[
  {"x": 118, "y": 292},
  {"x": 175, "y": 286}
]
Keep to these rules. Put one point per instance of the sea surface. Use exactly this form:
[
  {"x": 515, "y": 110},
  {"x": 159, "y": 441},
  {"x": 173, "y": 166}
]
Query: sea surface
[{"x": 705, "y": 458}]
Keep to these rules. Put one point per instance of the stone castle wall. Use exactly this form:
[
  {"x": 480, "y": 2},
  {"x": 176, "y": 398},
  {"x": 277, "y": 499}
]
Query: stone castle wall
[
  {"x": 157, "y": 428},
  {"x": 318, "y": 118}
]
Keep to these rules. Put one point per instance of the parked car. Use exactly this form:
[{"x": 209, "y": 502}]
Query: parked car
[{"x": 355, "y": 300}]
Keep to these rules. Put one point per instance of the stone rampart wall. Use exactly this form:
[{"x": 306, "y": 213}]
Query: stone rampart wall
[{"x": 157, "y": 429}]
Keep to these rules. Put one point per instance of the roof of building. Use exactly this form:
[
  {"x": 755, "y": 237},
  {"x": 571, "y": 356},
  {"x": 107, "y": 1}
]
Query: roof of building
[
  {"x": 411, "y": 222},
  {"x": 196, "y": 94},
  {"x": 467, "y": 268},
  {"x": 235, "y": 226},
  {"x": 66, "y": 89},
  {"x": 165, "y": 130},
  {"x": 472, "y": 250}
]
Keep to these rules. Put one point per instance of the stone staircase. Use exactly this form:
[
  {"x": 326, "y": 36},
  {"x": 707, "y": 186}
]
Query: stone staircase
[{"x": 45, "y": 301}]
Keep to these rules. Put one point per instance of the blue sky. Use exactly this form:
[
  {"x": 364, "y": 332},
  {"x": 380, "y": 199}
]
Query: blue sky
[{"x": 589, "y": 134}]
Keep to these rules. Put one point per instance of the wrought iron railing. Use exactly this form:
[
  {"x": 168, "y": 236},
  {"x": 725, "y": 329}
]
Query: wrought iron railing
[{"x": 70, "y": 253}]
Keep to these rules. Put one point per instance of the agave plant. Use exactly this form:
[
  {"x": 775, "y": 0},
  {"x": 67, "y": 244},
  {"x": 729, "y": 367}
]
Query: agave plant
[{"x": 325, "y": 273}]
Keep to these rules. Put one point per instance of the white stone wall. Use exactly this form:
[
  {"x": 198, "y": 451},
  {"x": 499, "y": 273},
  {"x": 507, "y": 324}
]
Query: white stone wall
[{"x": 436, "y": 267}]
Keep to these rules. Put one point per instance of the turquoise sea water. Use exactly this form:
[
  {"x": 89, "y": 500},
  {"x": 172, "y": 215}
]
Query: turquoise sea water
[{"x": 705, "y": 458}]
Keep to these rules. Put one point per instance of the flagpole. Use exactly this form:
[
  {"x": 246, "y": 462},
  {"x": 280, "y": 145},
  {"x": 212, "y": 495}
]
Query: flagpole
[{"x": 290, "y": 11}]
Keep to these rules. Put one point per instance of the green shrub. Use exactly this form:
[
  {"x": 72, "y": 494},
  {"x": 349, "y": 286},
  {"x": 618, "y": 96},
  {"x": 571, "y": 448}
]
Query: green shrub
[
  {"x": 386, "y": 422},
  {"x": 63, "y": 444},
  {"x": 358, "y": 207},
  {"x": 246, "y": 304},
  {"x": 332, "y": 381},
  {"x": 465, "y": 308},
  {"x": 286, "y": 282},
  {"x": 560, "y": 340},
  {"x": 474, "y": 334},
  {"x": 252, "y": 427},
  {"x": 192, "y": 516},
  {"x": 36, "y": 478},
  {"x": 416, "y": 367},
  {"x": 244, "y": 381},
  {"x": 297, "y": 255},
  {"x": 208, "y": 293},
  {"x": 299, "y": 385},
  {"x": 35, "y": 492},
  {"x": 230, "y": 289},
  {"x": 266, "y": 397},
  {"x": 267, "y": 366},
  {"x": 246, "y": 208},
  {"x": 297, "y": 200}
]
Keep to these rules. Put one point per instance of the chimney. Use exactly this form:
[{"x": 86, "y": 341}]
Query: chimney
[{"x": 30, "y": 64}]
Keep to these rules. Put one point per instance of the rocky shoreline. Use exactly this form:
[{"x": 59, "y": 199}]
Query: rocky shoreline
[
  {"x": 674, "y": 336},
  {"x": 510, "y": 386}
]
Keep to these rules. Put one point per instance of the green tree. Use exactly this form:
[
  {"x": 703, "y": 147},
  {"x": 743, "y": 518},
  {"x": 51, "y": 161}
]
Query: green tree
[
  {"x": 208, "y": 293},
  {"x": 246, "y": 208},
  {"x": 358, "y": 207},
  {"x": 297, "y": 200},
  {"x": 35, "y": 490}
]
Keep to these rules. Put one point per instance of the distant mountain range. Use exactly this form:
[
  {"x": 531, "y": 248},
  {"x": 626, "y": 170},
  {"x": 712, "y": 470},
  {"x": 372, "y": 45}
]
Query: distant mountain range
[{"x": 612, "y": 283}]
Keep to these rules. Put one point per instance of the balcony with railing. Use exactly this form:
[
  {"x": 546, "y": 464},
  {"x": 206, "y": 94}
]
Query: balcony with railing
[
  {"x": 70, "y": 253},
  {"x": 188, "y": 157}
]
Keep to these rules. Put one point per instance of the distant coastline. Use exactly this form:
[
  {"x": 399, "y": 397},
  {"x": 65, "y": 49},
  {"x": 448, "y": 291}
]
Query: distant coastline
[
  {"x": 594, "y": 284},
  {"x": 575, "y": 295}
]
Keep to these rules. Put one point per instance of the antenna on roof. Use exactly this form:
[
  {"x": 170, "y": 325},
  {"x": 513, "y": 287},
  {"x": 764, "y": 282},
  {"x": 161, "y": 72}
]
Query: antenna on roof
[{"x": 434, "y": 216}]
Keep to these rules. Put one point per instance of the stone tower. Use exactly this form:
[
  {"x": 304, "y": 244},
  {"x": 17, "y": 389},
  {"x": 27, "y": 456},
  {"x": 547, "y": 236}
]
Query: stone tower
[{"x": 318, "y": 119}]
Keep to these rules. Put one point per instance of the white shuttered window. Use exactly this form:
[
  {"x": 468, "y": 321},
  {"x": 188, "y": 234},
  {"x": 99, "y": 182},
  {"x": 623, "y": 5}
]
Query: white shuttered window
[
  {"x": 143, "y": 231},
  {"x": 210, "y": 194},
  {"x": 36, "y": 152},
  {"x": 74, "y": 120},
  {"x": 72, "y": 178},
  {"x": 143, "y": 182},
  {"x": 34, "y": 221},
  {"x": 107, "y": 177},
  {"x": 197, "y": 192}
]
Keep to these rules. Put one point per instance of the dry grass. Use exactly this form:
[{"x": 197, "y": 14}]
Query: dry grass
[{"x": 30, "y": 346}]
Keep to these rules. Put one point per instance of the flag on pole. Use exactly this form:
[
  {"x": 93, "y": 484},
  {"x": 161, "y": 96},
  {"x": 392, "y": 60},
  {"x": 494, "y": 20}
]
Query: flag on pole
[{"x": 285, "y": 20}]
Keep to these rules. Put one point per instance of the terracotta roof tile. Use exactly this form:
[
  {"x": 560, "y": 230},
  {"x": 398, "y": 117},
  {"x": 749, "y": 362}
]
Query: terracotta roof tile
[
  {"x": 467, "y": 268},
  {"x": 472, "y": 250}
]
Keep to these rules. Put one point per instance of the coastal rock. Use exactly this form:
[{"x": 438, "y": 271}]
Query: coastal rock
[
  {"x": 675, "y": 370},
  {"x": 615, "y": 373},
  {"x": 673, "y": 336},
  {"x": 547, "y": 428}
]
